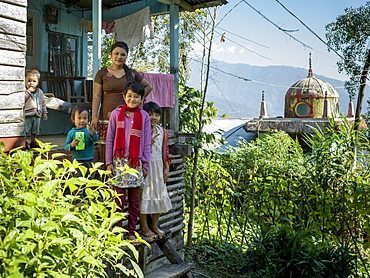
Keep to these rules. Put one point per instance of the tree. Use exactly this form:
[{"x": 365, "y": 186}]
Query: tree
[
  {"x": 153, "y": 55},
  {"x": 350, "y": 34}
]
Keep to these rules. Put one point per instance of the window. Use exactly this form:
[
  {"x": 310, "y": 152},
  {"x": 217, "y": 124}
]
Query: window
[
  {"x": 65, "y": 43},
  {"x": 32, "y": 38},
  {"x": 302, "y": 109}
]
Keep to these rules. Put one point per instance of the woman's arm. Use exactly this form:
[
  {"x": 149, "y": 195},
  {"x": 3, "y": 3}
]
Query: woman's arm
[
  {"x": 98, "y": 92},
  {"x": 147, "y": 87}
]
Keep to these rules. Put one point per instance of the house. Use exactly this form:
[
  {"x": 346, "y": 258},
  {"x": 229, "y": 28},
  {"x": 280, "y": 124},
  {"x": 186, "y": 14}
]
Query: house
[
  {"x": 231, "y": 129},
  {"x": 31, "y": 31}
]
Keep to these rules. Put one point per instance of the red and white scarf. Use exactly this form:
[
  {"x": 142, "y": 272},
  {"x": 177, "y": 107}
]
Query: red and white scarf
[{"x": 136, "y": 130}]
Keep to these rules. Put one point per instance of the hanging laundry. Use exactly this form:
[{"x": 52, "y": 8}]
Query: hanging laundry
[
  {"x": 109, "y": 26},
  {"x": 85, "y": 25},
  {"x": 163, "y": 92},
  {"x": 135, "y": 28}
]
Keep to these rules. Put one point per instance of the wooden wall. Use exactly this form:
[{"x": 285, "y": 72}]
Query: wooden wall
[{"x": 13, "y": 18}]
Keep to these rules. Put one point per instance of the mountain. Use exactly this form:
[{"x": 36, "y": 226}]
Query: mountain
[{"x": 238, "y": 98}]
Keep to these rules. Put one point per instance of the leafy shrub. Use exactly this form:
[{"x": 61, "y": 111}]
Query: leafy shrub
[
  {"x": 43, "y": 233},
  {"x": 275, "y": 252},
  {"x": 283, "y": 252}
]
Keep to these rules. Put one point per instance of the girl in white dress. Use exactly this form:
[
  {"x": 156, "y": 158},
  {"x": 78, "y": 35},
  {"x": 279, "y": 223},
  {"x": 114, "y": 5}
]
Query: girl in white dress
[{"x": 155, "y": 199}]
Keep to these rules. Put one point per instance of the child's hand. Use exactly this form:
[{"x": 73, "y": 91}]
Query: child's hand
[
  {"x": 45, "y": 117},
  {"x": 145, "y": 172},
  {"x": 94, "y": 121},
  {"x": 153, "y": 138},
  {"x": 90, "y": 129},
  {"x": 109, "y": 167},
  {"x": 166, "y": 174},
  {"x": 74, "y": 143}
]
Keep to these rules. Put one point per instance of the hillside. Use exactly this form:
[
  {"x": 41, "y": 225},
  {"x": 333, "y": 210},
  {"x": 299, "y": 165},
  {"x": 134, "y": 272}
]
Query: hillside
[{"x": 241, "y": 99}]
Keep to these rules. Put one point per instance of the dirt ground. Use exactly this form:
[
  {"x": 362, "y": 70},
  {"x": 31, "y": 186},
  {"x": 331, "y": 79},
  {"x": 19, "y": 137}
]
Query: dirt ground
[{"x": 199, "y": 272}]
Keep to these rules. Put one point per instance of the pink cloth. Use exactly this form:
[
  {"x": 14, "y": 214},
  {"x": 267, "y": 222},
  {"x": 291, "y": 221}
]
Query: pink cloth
[
  {"x": 109, "y": 26},
  {"x": 163, "y": 89}
]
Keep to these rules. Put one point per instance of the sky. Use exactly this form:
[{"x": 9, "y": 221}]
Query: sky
[{"x": 252, "y": 39}]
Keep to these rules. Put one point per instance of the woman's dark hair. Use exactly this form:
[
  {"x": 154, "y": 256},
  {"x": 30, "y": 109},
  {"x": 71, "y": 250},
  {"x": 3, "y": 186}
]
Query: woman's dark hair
[
  {"x": 152, "y": 107},
  {"x": 123, "y": 45},
  {"x": 135, "y": 87},
  {"x": 119, "y": 44},
  {"x": 77, "y": 109}
]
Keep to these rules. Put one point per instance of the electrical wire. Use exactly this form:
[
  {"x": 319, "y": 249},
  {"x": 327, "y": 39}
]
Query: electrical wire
[
  {"x": 277, "y": 26},
  {"x": 228, "y": 13},
  {"x": 231, "y": 106},
  {"x": 309, "y": 29},
  {"x": 242, "y": 46},
  {"x": 260, "y": 82},
  {"x": 241, "y": 37}
]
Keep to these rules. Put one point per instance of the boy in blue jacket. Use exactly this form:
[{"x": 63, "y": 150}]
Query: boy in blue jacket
[{"x": 81, "y": 138}]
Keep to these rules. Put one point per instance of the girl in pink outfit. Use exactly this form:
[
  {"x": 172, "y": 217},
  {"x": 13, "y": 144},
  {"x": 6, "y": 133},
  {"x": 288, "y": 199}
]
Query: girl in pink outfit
[{"x": 128, "y": 143}]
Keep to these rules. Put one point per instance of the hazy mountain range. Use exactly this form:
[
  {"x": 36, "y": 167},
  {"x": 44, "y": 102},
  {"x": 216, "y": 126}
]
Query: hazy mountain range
[{"x": 239, "y": 98}]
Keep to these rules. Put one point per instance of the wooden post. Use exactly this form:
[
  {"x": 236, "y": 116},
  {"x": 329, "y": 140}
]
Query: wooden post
[
  {"x": 174, "y": 63},
  {"x": 96, "y": 18}
]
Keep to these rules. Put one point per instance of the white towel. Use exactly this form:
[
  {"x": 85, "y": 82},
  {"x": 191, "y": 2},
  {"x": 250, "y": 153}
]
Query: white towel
[{"x": 135, "y": 28}]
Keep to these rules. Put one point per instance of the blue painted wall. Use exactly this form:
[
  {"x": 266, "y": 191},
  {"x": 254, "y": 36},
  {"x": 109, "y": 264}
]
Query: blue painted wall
[{"x": 68, "y": 23}]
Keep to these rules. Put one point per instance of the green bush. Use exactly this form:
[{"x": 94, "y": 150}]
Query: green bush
[
  {"x": 283, "y": 252},
  {"x": 274, "y": 180},
  {"x": 276, "y": 252},
  {"x": 43, "y": 233}
]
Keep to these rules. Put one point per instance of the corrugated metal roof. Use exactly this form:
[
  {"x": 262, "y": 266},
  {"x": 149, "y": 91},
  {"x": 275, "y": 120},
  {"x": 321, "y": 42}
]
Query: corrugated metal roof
[{"x": 86, "y": 5}]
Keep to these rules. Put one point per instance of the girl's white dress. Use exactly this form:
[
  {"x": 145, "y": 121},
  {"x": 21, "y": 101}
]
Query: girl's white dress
[{"x": 155, "y": 197}]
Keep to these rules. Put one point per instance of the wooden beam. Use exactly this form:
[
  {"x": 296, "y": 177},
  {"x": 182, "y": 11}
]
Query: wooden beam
[
  {"x": 183, "y": 4},
  {"x": 210, "y": 4},
  {"x": 97, "y": 19},
  {"x": 174, "y": 63}
]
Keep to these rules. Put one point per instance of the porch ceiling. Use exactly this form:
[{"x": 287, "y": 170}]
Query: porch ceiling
[{"x": 187, "y": 5}]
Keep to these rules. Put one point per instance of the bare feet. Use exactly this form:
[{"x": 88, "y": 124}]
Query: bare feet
[
  {"x": 148, "y": 233},
  {"x": 133, "y": 240},
  {"x": 158, "y": 231}
]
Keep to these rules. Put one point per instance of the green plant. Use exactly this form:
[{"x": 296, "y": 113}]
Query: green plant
[
  {"x": 43, "y": 233},
  {"x": 272, "y": 181},
  {"x": 279, "y": 251}
]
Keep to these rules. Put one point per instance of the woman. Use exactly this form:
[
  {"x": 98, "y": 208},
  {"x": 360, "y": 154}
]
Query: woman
[{"x": 108, "y": 89}]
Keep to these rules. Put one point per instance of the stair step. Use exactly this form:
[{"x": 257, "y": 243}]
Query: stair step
[{"x": 170, "y": 270}]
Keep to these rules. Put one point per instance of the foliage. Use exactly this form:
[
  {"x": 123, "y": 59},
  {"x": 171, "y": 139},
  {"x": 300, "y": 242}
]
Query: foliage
[
  {"x": 349, "y": 34},
  {"x": 107, "y": 42},
  {"x": 275, "y": 251},
  {"x": 46, "y": 231},
  {"x": 190, "y": 101},
  {"x": 283, "y": 252},
  {"x": 153, "y": 55},
  {"x": 218, "y": 258},
  {"x": 321, "y": 193}
]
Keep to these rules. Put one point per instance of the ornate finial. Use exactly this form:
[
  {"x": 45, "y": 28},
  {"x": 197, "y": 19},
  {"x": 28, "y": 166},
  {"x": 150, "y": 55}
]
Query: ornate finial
[
  {"x": 326, "y": 106},
  {"x": 310, "y": 73},
  {"x": 263, "y": 110}
]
